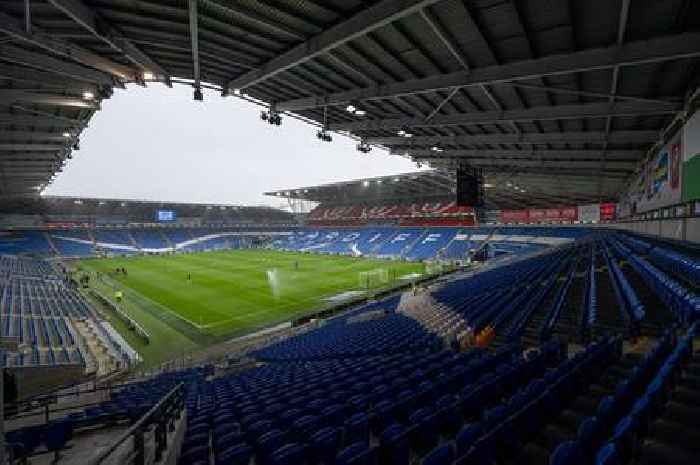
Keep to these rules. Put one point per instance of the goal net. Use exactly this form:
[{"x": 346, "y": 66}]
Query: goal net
[{"x": 373, "y": 278}]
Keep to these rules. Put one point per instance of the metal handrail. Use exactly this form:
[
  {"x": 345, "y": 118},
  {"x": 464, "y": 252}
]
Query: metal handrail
[{"x": 162, "y": 414}]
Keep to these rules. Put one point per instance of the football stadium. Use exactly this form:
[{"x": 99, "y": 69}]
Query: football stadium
[{"x": 527, "y": 292}]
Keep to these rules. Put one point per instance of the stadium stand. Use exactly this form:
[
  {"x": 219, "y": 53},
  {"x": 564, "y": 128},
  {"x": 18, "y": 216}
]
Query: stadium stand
[
  {"x": 42, "y": 314},
  {"x": 401, "y": 381},
  {"x": 566, "y": 346},
  {"x": 72, "y": 242}
]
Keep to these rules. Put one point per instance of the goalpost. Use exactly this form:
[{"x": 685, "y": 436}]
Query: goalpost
[{"x": 373, "y": 278}]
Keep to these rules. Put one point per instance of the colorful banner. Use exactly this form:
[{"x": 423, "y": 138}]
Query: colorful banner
[
  {"x": 537, "y": 215},
  {"x": 607, "y": 211},
  {"x": 552, "y": 214},
  {"x": 658, "y": 184},
  {"x": 569, "y": 213},
  {"x": 514, "y": 216},
  {"x": 691, "y": 159}
]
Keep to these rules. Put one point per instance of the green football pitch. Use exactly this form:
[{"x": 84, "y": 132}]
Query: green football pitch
[{"x": 188, "y": 301}]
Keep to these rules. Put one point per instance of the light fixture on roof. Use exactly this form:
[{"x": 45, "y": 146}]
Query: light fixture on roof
[
  {"x": 66, "y": 134},
  {"x": 402, "y": 133},
  {"x": 353, "y": 109},
  {"x": 523, "y": 190},
  {"x": 487, "y": 185},
  {"x": 363, "y": 147},
  {"x": 379, "y": 181},
  {"x": 435, "y": 148},
  {"x": 272, "y": 117},
  {"x": 87, "y": 95},
  {"x": 509, "y": 184},
  {"x": 396, "y": 179},
  {"x": 324, "y": 136},
  {"x": 148, "y": 76}
]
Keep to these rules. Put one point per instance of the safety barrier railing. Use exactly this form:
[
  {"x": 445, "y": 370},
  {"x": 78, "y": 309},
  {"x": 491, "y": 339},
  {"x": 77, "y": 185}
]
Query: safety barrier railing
[{"x": 160, "y": 420}]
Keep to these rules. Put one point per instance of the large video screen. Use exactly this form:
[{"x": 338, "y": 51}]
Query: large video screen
[{"x": 165, "y": 215}]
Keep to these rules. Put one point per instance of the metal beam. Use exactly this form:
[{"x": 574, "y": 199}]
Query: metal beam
[
  {"x": 12, "y": 96},
  {"x": 33, "y": 76},
  {"x": 630, "y": 54},
  {"x": 16, "y": 55},
  {"x": 31, "y": 147},
  {"x": 584, "y": 173},
  {"x": 559, "y": 112},
  {"x": 621, "y": 31},
  {"x": 567, "y": 154},
  {"x": 33, "y": 135},
  {"x": 39, "y": 38},
  {"x": 87, "y": 18},
  {"x": 367, "y": 20},
  {"x": 28, "y": 156},
  {"x": 41, "y": 121},
  {"x": 640, "y": 137},
  {"x": 621, "y": 166},
  {"x": 254, "y": 18},
  {"x": 194, "y": 40},
  {"x": 36, "y": 112}
]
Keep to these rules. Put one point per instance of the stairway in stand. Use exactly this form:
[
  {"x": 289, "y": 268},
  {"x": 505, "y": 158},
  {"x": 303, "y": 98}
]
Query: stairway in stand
[{"x": 54, "y": 250}]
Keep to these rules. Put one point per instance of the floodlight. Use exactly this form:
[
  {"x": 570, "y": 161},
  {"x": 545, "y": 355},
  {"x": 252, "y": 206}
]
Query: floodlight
[
  {"x": 360, "y": 112},
  {"x": 350, "y": 108},
  {"x": 66, "y": 134},
  {"x": 87, "y": 95}
]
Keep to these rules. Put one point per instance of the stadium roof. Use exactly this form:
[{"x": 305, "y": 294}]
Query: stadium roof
[
  {"x": 553, "y": 94},
  {"x": 502, "y": 190},
  {"x": 47, "y": 204}
]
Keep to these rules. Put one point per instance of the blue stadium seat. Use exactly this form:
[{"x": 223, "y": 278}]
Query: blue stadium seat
[
  {"x": 441, "y": 455},
  {"x": 394, "y": 446},
  {"x": 607, "y": 456}
]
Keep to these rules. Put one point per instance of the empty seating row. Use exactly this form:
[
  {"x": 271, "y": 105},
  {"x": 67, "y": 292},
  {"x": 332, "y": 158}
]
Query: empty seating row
[
  {"x": 624, "y": 420},
  {"x": 684, "y": 303}
]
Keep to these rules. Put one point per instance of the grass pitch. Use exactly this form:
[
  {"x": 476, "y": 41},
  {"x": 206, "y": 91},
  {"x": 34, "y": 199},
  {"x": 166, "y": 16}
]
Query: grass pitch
[{"x": 231, "y": 292}]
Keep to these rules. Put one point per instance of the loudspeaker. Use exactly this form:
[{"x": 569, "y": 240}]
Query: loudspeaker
[{"x": 469, "y": 187}]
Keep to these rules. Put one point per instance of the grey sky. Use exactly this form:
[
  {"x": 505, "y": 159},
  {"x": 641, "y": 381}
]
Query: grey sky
[{"x": 159, "y": 144}]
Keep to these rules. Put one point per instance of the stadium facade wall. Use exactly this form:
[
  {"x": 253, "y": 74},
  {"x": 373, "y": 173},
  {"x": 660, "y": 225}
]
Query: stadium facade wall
[
  {"x": 683, "y": 229},
  {"x": 33, "y": 380}
]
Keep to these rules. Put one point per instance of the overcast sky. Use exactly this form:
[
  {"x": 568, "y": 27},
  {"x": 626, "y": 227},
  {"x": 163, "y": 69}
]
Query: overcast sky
[{"x": 157, "y": 143}]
